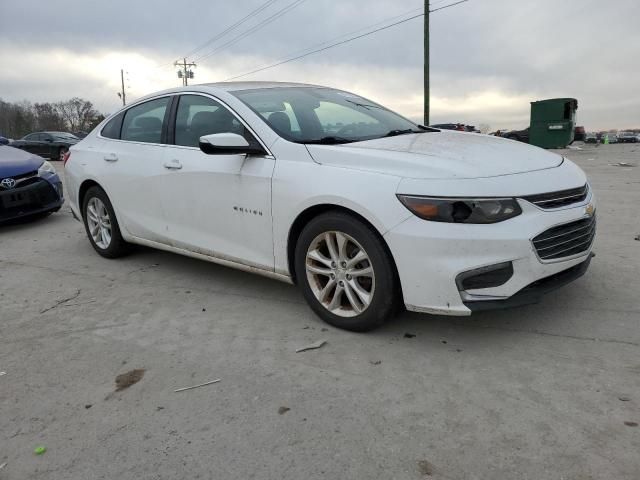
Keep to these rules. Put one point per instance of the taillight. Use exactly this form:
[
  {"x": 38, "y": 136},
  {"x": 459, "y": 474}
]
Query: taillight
[{"x": 65, "y": 158}]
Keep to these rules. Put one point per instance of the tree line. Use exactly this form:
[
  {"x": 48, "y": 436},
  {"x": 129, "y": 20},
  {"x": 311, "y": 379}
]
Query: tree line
[{"x": 73, "y": 115}]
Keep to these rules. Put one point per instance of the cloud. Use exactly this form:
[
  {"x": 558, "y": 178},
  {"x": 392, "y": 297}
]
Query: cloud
[{"x": 490, "y": 58}]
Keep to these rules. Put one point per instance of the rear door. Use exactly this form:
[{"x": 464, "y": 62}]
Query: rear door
[
  {"x": 218, "y": 205},
  {"x": 132, "y": 167}
]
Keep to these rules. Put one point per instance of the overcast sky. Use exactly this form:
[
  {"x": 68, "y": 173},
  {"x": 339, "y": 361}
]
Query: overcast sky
[{"x": 490, "y": 58}]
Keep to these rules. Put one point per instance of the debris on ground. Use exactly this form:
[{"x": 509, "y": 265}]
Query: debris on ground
[
  {"x": 283, "y": 410},
  {"x": 375, "y": 362},
  {"x": 631, "y": 424},
  {"x": 637, "y": 238},
  {"x": 2, "y": 373},
  {"x": 3, "y": 465},
  {"x": 40, "y": 450},
  {"x": 197, "y": 386},
  {"x": 409, "y": 335},
  {"x": 624, "y": 398},
  {"x": 571, "y": 147},
  {"x": 324, "y": 329},
  {"x": 425, "y": 468},
  {"x": 125, "y": 380},
  {"x": 622, "y": 164},
  {"x": 88, "y": 406},
  {"x": 443, "y": 342},
  {"x": 204, "y": 309},
  {"x": 312, "y": 346},
  {"x": 61, "y": 302}
]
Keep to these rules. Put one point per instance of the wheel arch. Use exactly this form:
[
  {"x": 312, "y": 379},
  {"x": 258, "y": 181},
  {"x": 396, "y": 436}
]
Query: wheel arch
[
  {"x": 310, "y": 213},
  {"x": 82, "y": 191}
]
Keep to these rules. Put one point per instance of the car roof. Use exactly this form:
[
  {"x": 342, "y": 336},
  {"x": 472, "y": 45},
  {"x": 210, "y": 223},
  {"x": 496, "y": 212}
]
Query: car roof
[{"x": 235, "y": 86}]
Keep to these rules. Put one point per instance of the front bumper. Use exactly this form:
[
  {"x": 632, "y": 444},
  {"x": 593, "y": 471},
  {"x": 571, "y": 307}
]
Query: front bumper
[
  {"x": 31, "y": 197},
  {"x": 430, "y": 256}
]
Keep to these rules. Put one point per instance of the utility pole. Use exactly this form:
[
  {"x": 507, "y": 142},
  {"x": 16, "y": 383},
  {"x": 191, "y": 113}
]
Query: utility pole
[
  {"x": 185, "y": 72},
  {"x": 123, "y": 95},
  {"x": 427, "y": 92}
]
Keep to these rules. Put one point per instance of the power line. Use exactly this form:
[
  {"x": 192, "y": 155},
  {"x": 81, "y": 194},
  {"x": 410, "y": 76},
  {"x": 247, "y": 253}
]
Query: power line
[
  {"x": 252, "y": 14},
  {"x": 327, "y": 47},
  {"x": 447, "y": 6},
  {"x": 253, "y": 29},
  {"x": 348, "y": 40}
]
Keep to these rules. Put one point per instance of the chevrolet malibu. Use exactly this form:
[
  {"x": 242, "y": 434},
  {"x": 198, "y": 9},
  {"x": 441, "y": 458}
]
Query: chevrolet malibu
[{"x": 363, "y": 209}]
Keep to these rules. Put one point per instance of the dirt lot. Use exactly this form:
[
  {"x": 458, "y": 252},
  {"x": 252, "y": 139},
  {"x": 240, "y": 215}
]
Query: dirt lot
[{"x": 541, "y": 392}]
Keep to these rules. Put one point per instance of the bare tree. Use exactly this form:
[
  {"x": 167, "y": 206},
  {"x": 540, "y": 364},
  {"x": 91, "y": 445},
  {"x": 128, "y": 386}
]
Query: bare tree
[{"x": 78, "y": 114}]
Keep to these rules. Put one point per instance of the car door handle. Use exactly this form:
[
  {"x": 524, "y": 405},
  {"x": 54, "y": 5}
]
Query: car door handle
[
  {"x": 111, "y": 157},
  {"x": 173, "y": 165}
]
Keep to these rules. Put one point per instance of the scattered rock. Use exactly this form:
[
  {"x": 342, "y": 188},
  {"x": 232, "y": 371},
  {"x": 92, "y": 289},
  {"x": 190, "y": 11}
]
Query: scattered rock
[
  {"x": 375, "y": 362},
  {"x": 88, "y": 406},
  {"x": 409, "y": 335},
  {"x": 132, "y": 377},
  {"x": 425, "y": 468},
  {"x": 637, "y": 238},
  {"x": 458, "y": 350},
  {"x": 283, "y": 410},
  {"x": 204, "y": 309},
  {"x": 324, "y": 330},
  {"x": 159, "y": 408},
  {"x": 624, "y": 398},
  {"x": 443, "y": 341},
  {"x": 631, "y": 424}
]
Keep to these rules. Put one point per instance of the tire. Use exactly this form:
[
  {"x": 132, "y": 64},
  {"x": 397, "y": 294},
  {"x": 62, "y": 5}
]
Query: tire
[
  {"x": 95, "y": 206},
  {"x": 61, "y": 152},
  {"x": 337, "y": 294}
]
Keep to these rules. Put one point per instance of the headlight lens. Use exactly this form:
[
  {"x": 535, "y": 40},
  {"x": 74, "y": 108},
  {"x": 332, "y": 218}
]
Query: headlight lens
[
  {"x": 46, "y": 168},
  {"x": 462, "y": 210}
]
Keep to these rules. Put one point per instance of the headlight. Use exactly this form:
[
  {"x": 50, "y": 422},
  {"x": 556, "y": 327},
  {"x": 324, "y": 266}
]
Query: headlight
[
  {"x": 462, "y": 210},
  {"x": 46, "y": 168}
]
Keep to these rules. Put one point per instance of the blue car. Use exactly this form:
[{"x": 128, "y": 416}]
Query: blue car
[{"x": 29, "y": 185}]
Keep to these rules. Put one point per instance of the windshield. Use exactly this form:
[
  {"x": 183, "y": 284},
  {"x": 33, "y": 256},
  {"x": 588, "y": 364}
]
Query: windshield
[{"x": 324, "y": 115}]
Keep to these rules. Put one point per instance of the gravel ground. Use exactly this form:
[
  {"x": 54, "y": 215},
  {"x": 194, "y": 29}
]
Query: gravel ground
[{"x": 93, "y": 350}]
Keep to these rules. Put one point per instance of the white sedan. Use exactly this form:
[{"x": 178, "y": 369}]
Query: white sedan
[{"x": 365, "y": 210}]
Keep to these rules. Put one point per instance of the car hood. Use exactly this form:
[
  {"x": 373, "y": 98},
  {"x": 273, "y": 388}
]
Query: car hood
[
  {"x": 15, "y": 162},
  {"x": 443, "y": 154}
]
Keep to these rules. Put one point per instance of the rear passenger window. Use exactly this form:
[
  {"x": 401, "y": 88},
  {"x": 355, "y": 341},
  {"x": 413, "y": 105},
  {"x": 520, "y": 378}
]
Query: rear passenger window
[
  {"x": 198, "y": 116},
  {"x": 112, "y": 128},
  {"x": 143, "y": 123}
]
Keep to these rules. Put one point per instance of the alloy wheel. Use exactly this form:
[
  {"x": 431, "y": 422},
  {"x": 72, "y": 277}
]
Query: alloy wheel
[
  {"x": 340, "y": 274},
  {"x": 99, "y": 223}
]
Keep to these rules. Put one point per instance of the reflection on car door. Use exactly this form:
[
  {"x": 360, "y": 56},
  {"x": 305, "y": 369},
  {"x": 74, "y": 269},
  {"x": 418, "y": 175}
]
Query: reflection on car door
[
  {"x": 217, "y": 205},
  {"x": 132, "y": 169}
]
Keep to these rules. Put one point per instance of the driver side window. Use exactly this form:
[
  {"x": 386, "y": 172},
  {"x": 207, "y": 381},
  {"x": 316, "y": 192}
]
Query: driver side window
[{"x": 198, "y": 116}]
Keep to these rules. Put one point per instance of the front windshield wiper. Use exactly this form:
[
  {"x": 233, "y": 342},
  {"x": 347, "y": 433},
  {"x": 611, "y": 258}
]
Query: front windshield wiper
[
  {"x": 332, "y": 140},
  {"x": 394, "y": 133}
]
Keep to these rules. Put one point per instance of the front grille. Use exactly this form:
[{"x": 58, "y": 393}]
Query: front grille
[
  {"x": 21, "y": 178},
  {"x": 566, "y": 240},
  {"x": 559, "y": 199},
  {"x": 33, "y": 195}
]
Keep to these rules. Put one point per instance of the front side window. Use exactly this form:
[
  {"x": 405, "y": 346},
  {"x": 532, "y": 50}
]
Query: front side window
[
  {"x": 198, "y": 116},
  {"x": 112, "y": 128},
  {"x": 143, "y": 123},
  {"x": 32, "y": 137},
  {"x": 324, "y": 115}
]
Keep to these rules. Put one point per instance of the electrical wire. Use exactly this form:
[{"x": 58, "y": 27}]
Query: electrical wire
[
  {"x": 252, "y": 30},
  {"x": 342, "y": 42},
  {"x": 326, "y": 48},
  {"x": 255, "y": 12}
]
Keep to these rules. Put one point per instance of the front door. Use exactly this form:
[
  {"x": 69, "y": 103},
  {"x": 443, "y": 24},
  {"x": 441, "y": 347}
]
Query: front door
[{"x": 217, "y": 205}]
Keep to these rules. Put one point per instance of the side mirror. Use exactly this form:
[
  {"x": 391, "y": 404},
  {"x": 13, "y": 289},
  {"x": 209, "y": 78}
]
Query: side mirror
[{"x": 229, "y": 144}]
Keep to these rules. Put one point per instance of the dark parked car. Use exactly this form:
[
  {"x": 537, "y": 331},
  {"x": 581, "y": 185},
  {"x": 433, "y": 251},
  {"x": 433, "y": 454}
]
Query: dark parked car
[
  {"x": 29, "y": 185},
  {"x": 461, "y": 127},
  {"x": 519, "y": 135},
  {"x": 628, "y": 137},
  {"x": 51, "y": 145},
  {"x": 580, "y": 134},
  {"x": 3, "y": 140}
]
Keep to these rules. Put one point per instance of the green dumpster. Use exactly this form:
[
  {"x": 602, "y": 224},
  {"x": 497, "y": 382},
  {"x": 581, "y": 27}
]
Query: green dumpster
[{"x": 553, "y": 122}]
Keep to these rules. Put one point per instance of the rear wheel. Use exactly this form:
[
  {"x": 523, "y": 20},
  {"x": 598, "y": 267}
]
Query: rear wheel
[
  {"x": 345, "y": 272},
  {"x": 101, "y": 224}
]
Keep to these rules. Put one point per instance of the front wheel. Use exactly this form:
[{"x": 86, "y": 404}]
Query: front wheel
[
  {"x": 346, "y": 273},
  {"x": 101, "y": 224}
]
